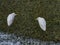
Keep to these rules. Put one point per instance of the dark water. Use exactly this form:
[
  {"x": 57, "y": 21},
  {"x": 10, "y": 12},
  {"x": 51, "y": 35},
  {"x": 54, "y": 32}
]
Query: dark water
[{"x": 11, "y": 39}]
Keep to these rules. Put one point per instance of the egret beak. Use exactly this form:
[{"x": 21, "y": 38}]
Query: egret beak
[
  {"x": 36, "y": 19},
  {"x": 15, "y": 14}
]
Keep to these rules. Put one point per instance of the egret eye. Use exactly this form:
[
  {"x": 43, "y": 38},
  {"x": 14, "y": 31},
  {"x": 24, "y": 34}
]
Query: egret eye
[
  {"x": 42, "y": 23},
  {"x": 10, "y": 19}
]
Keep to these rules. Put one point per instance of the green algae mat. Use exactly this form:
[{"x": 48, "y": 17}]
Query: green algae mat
[{"x": 25, "y": 22}]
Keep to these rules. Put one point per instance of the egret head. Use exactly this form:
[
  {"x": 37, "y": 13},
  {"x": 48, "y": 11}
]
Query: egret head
[
  {"x": 14, "y": 14},
  {"x": 38, "y": 18}
]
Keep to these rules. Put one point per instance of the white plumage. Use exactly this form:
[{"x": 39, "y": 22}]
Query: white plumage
[
  {"x": 42, "y": 23},
  {"x": 10, "y": 18}
]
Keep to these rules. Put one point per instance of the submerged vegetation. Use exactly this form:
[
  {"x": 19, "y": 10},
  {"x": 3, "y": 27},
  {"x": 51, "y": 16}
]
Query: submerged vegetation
[{"x": 27, "y": 11}]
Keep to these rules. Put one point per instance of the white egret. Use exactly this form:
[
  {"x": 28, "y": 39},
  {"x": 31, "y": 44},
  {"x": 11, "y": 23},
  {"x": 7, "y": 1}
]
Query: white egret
[
  {"x": 10, "y": 18},
  {"x": 42, "y": 23}
]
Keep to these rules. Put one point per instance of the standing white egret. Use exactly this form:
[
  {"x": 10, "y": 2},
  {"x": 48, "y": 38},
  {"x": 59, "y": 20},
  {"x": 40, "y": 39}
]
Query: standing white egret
[
  {"x": 42, "y": 23},
  {"x": 10, "y": 18}
]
